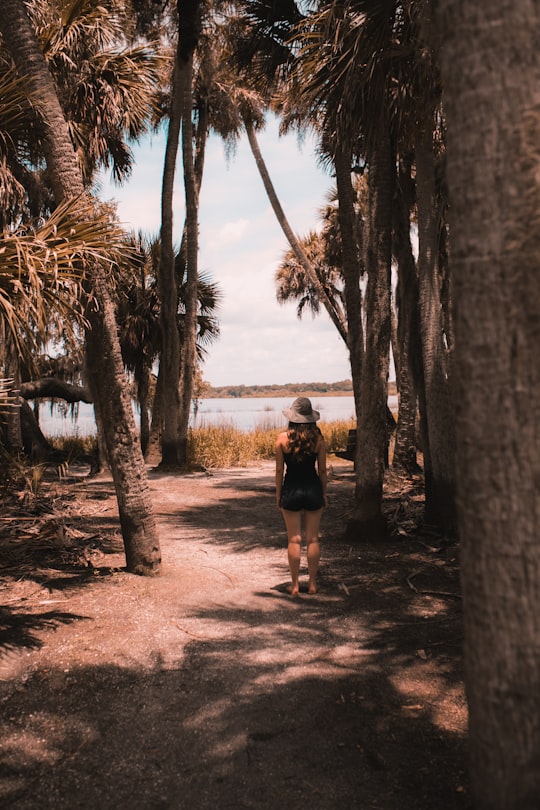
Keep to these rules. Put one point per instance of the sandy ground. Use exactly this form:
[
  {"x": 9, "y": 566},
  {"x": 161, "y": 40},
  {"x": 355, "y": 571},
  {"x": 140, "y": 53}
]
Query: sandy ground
[{"x": 210, "y": 687}]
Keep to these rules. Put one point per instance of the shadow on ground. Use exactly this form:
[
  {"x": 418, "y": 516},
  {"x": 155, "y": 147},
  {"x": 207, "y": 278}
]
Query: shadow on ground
[
  {"x": 245, "y": 721},
  {"x": 350, "y": 699}
]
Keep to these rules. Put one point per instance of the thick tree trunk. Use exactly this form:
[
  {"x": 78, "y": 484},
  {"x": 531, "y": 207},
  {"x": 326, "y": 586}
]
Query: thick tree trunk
[
  {"x": 121, "y": 440},
  {"x": 491, "y": 73},
  {"x": 107, "y": 378}
]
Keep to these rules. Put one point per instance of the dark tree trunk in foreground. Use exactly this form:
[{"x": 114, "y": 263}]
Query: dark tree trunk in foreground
[{"x": 491, "y": 73}]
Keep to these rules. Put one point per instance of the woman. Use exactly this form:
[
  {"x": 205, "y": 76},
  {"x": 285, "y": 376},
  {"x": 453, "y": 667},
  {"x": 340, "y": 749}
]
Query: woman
[{"x": 301, "y": 487}]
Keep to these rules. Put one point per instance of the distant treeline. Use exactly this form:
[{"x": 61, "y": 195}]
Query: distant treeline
[{"x": 336, "y": 389}]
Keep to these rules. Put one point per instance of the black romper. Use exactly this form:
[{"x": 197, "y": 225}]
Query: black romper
[{"x": 302, "y": 488}]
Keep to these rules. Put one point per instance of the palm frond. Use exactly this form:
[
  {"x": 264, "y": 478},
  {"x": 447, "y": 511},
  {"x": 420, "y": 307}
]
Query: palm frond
[{"x": 42, "y": 271}]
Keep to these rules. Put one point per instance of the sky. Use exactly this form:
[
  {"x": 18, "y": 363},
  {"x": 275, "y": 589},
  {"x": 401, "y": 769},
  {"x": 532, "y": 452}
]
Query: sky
[{"x": 241, "y": 244}]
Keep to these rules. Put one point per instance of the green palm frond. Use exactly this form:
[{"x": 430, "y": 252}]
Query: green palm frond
[
  {"x": 362, "y": 66},
  {"x": 112, "y": 101},
  {"x": 108, "y": 90}
]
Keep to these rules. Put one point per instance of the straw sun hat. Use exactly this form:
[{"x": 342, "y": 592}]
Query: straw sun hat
[{"x": 301, "y": 412}]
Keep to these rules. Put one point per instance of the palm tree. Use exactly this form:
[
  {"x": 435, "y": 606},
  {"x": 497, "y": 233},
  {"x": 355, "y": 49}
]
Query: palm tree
[
  {"x": 293, "y": 283},
  {"x": 339, "y": 80},
  {"x": 174, "y": 429},
  {"x": 366, "y": 74},
  {"x": 42, "y": 272},
  {"x": 406, "y": 343},
  {"x": 138, "y": 314},
  {"x": 255, "y": 44},
  {"x": 108, "y": 94},
  {"x": 494, "y": 190},
  {"x": 104, "y": 363}
]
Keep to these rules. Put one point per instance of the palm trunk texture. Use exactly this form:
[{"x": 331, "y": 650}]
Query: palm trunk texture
[
  {"x": 438, "y": 422},
  {"x": 372, "y": 425},
  {"x": 169, "y": 362},
  {"x": 407, "y": 339},
  {"x": 491, "y": 74},
  {"x": 189, "y": 348}
]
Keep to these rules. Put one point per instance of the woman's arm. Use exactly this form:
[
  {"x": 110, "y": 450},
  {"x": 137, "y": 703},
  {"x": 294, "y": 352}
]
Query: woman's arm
[
  {"x": 321, "y": 466},
  {"x": 280, "y": 466}
]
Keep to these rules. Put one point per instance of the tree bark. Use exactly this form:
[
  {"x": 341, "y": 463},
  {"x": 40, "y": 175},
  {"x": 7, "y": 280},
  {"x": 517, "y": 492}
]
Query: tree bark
[
  {"x": 407, "y": 340},
  {"x": 53, "y": 388},
  {"x": 169, "y": 363},
  {"x": 352, "y": 293},
  {"x": 106, "y": 380},
  {"x": 438, "y": 420},
  {"x": 189, "y": 347},
  {"x": 367, "y": 518},
  {"x": 491, "y": 72}
]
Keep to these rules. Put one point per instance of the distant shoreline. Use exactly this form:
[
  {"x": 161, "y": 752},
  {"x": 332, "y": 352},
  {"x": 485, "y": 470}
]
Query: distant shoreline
[{"x": 311, "y": 390}]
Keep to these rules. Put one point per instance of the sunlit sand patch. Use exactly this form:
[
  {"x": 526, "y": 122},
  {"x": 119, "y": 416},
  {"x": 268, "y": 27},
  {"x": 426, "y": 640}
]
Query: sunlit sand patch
[{"x": 443, "y": 701}]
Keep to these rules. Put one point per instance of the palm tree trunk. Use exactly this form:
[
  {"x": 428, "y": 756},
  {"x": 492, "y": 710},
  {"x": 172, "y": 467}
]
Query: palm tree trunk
[
  {"x": 106, "y": 369},
  {"x": 169, "y": 362},
  {"x": 352, "y": 271},
  {"x": 407, "y": 338},
  {"x": 439, "y": 418},
  {"x": 491, "y": 74},
  {"x": 296, "y": 247},
  {"x": 372, "y": 425},
  {"x": 189, "y": 347},
  {"x": 143, "y": 396}
]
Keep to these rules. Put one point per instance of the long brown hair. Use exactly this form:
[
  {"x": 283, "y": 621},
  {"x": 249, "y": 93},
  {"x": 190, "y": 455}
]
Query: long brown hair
[{"x": 302, "y": 439}]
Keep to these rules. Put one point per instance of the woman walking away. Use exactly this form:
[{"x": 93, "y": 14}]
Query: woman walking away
[{"x": 301, "y": 487}]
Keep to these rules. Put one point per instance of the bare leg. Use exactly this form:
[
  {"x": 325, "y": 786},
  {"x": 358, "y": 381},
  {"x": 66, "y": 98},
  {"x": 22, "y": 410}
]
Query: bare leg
[
  {"x": 313, "y": 522},
  {"x": 293, "y": 522}
]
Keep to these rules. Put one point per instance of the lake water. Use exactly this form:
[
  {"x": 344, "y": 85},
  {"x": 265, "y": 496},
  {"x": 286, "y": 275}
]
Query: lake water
[{"x": 243, "y": 413}]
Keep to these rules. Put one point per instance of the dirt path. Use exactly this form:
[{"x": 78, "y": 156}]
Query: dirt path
[{"x": 210, "y": 687}]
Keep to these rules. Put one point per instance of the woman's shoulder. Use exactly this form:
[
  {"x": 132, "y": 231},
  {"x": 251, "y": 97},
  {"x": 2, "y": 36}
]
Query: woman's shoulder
[{"x": 283, "y": 441}]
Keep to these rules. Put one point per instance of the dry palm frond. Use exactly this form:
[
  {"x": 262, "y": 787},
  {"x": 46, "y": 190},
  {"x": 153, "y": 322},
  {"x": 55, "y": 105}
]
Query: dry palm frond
[
  {"x": 42, "y": 270},
  {"x": 9, "y": 399}
]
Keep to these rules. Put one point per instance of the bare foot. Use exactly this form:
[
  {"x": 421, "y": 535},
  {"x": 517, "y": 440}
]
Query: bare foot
[
  {"x": 293, "y": 590},
  {"x": 312, "y": 588}
]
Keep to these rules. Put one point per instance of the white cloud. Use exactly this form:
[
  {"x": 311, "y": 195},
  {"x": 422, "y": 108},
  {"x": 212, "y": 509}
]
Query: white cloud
[{"x": 229, "y": 234}]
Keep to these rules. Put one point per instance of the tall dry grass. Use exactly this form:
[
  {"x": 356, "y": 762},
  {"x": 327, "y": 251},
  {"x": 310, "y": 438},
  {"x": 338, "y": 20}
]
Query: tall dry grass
[{"x": 223, "y": 445}]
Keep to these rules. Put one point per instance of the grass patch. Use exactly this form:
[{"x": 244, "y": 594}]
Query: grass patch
[
  {"x": 223, "y": 445},
  {"x": 74, "y": 447}
]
